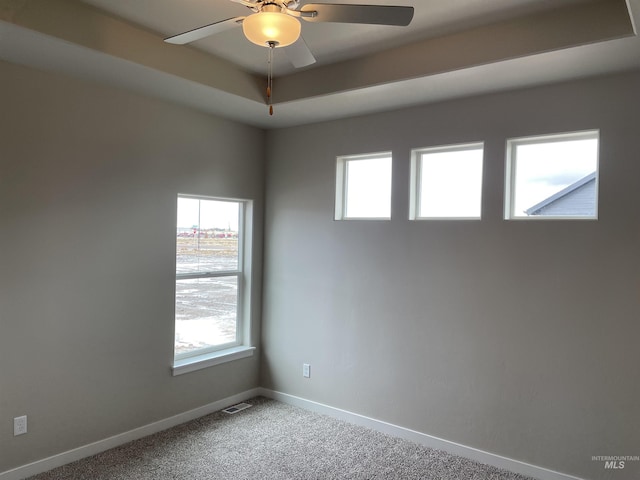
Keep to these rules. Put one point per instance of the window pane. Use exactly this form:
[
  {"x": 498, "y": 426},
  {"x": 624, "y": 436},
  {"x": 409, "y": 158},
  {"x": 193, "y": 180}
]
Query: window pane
[
  {"x": 451, "y": 183},
  {"x": 555, "y": 178},
  {"x": 368, "y": 188},
  {"x": 207, "y": 235},
  {"x": 206, "y": 313}
]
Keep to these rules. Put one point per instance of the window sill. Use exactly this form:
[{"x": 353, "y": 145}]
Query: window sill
[{"x": 199, "y": 362}]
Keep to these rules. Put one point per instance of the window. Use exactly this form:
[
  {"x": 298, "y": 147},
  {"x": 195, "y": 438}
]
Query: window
[
  {"x": 363, "y": 187},
  {"x": 446, "y": 182},
  {"x": 212, "y": 288},
  {"x": 553, "y": 176}
]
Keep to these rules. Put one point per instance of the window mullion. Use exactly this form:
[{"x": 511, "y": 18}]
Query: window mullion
[{"x": 222, "y": 273}]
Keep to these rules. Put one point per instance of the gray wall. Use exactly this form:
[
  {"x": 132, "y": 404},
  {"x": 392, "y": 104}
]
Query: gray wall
[
  {"x": 88, "y": 183},
  {"x": 518, "y": 338}
]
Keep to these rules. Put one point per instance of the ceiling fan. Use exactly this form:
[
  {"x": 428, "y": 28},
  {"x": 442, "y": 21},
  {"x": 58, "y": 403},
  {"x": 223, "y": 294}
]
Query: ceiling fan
[{"x": 276, "y": 24}]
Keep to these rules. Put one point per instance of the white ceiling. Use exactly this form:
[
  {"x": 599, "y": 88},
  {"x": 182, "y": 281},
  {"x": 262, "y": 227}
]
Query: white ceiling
[{"x": 452, "y": 48}]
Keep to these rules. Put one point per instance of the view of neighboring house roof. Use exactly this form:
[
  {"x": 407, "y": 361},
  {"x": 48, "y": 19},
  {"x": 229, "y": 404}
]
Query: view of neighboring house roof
[{"x": 576, "y": 199}]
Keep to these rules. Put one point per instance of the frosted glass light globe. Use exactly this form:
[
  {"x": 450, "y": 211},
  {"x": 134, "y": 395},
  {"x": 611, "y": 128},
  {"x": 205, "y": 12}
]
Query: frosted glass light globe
[{"x": 265, "y": 27}]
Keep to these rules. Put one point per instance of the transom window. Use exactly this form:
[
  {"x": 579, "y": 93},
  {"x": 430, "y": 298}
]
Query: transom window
[
  {"x": 553, "y": 176},
  {"x": 446, "y": 182},
  {"x": 363, "y": 187},
  {"x": 209, "y": 275}
]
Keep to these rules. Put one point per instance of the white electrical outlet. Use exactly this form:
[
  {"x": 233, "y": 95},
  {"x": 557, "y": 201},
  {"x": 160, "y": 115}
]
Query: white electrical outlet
[
  {"x": 20, "y": 425},
  {"x": 306, "y": 370}
]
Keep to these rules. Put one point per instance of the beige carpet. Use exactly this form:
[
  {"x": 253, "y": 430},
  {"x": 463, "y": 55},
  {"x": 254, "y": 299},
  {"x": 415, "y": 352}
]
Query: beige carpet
[{"x": 273, "y": 441}]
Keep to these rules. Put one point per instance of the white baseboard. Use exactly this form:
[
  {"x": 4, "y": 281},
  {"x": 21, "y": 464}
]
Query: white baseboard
[
  {"x": 481, "y": 456},
  {"x": 45, "y": 464}
]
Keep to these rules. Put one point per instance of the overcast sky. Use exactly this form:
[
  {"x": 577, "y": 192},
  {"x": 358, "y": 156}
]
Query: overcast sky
[
  {"x": 544, "y": 169},
  {"x": 451, "y": 183},
  {"x": 369, "y": 188},
  {"x": 207, "y": 213}
]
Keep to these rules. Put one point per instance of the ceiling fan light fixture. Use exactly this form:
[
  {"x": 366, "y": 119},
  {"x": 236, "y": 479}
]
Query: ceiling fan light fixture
[{"x": 268, "y": 27}]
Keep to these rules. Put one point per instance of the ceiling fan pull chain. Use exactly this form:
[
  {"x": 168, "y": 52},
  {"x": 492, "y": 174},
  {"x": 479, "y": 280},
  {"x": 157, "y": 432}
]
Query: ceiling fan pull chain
[{"x": 272, "y": 46}]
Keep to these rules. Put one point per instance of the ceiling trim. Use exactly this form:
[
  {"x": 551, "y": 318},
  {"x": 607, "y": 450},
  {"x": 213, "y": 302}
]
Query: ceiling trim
[
  {"x": 534, "y": 34},
  {"x": 87, "y": 26}
]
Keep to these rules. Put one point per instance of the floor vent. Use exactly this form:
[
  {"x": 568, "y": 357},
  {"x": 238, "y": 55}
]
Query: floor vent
[{"x": 236, "y": 408}]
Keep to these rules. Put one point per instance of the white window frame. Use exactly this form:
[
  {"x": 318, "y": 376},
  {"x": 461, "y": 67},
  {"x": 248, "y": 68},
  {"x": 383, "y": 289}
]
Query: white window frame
[
  {"x": 342, "y": 184},
  {"x": 511, "y": 166},
  {"x": 241, "y": 347},
  {"x": 415, "y": 187}
]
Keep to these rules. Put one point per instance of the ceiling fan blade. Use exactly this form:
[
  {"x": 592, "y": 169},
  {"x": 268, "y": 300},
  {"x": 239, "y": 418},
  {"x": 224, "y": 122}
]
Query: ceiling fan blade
[
  {"x": 202, "y": 32},
  {"x": 372, "y": 14},
  {"x": 299, "y": 54}
]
